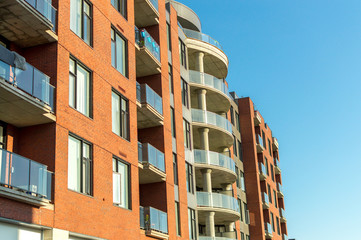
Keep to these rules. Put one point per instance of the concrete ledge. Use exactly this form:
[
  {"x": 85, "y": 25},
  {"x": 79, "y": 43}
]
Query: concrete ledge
[
  {"x": 155, "y": 234},
  {"x": 21, "y": 196}
]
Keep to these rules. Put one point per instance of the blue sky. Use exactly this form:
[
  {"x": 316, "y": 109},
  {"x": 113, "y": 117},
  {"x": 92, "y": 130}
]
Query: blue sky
[{"x": 300, "y": 62}]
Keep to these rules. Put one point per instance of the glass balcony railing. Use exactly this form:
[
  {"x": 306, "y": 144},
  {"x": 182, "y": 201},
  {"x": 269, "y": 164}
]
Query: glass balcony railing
[
  {"x": 214, "y": 158},
  {"x": 153, "y": 156},
  {"x": 217, "y": 200},
  {"x": 214, "y": 238},
  {"x": 143, "y": 39},
  {"x": 201, "y": 36},
  {"x": 147, "y": 95},
  {"x": 45, "y": 8},
  {"x": 208, "y": 80},
  {"x": 212, "y": 119},
  {"x": 154, "y": 3},
  {"x": 282, "y": 213},
  {"x": 259, "y": 140},
  {"x": 277, "y": 162},
  {"x": 31, "y": 81},
  {"x": 23, "y": 174},
  {"x": 265, "y": 198},
  {"x": 279, "y": 188},
  {"x": 153, "y": 219},
  {"x": 268, "y": 228},
  {"x": 262, "y": 168}
]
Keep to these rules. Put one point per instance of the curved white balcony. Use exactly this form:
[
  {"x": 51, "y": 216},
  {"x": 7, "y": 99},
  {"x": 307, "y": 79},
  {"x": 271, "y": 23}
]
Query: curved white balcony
[
  {"x": 223, "y": 167},
  {"x": 218, "y": 98},
  {"x": 220, "y": 129},
  {"x": 215, "y": 60},
  {"x": 225, "y": 206}
]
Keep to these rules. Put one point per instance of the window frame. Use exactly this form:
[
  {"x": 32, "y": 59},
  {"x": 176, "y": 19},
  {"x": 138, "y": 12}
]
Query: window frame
[
  {"x": 117, "y": 159},
  {"x": 183, "y": 53},
  {"x": 83, "y": 14},
  {"x": 178, "y": 219},
  {"x": 190, "y": 178},
  {"x": 121, "y": 97},
  {"x": 173, "y": 126},
  {"x": 185, "y": 93},
  {"x": 126, "y": 46},
  {"x": 125, "y": 7},
  {"x": 235, "y": 146},
  {"x": 4, "y": 135},
  {"x": 175, "y": 169},
  {"x": 169, "y": 37},
  {"x": 187, "y": 134},
  {"x": 171, "y": 80},
  {"x": 192, "y": 224},
  {"x": 269, "y": 193},
  {"x": 231, "y": 113}
]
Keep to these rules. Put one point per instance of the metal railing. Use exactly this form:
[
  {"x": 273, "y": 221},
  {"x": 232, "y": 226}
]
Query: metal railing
[
  {"x": 203, "y": 37},
  {"x": 145, "y": 94},
  {"x": 214, "y": 158},
  {"x": 31, "y": 81},
  {"x": 143, "y": 39},
  {"x": 23, "y": 174},
  {"x": 45, "y": 8},
  {"x": 202, "y": 116},
  {"x": 217, "y": 200},
  {"x": 208, "y": 80},
  {"x": 153, "y": 219},
  {"x": 153, "y": 156}
]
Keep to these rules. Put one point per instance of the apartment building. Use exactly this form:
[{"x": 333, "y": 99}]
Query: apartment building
[{"x": 116, "y": 123}]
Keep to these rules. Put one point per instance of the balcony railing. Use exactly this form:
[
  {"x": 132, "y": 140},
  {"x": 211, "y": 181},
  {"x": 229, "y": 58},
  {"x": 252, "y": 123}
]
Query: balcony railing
[
  {"x": 262, "y": 169},
  {"x": 203, "y": 37},
  {"x": 214, "y": 158},
  {"x": 31, "y": 81},
  {"x": 259, "y": 140},
  {"x": 143, "y": 39},
  {"x": 155, "y": 157},
  {"x": 265, "y": 199},
  {"x": 277, "y": 162},
  {"x": 217, "y": 200},
  {"x": 282, "y": 213},
  {"x": 23, "y": 174},
  {"x": 214, "y": 238},
  {"x": 150, "y": 97},
  {"x": 279, "y": 188},
  {"x": 154, "y": 3},
  {"x": 153, "y": 219},
  {"x": 45, "y": 8},
  {"x": 268, "y": 228},
  {"x": 212, "y": 119},
  {"x": 208, "y": 80}
]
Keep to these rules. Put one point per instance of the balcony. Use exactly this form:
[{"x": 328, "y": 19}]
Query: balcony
[
  {"x": 257, "y": 118},
  {"x": 146, "y": 12},
  {"x": 277, "y": 165},
  {"x": 150, "y": 107},
  {"x": 28, "y": 22},
  {"x": 282, "y": 215},
  {"x": 215, "y": 60},
  {"x": 154, "y": 222},
  {"x": 147, "y": 54},
  {"x": 223, "y": 167},
  {"x": 24, "y": 180},
  {"x": 275, "y": 144},
  {"x": 259, "y": 144},
  {"x": 218, "y": 98},
  {"x": 151, "y": 164},
  {"x": 265, "y": 200},
  {"x": 279, "y": 191},
  {"x": 220, "y": 129},
  {"x": 268, "y": 230},
  {"x": 215, "y": 238},
  {"x": 225, "y": 206},
  {"x": 26, "y": 97},
  {"x": 262, "y": 171}
]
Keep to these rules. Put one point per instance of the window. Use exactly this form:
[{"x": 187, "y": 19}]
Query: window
[
  {"x": 272, "y": 173},
  {"x": 269, "y": 147},
  {"x": 275, "y": 197},
  {"x": 243, "y": 185},
  {"x": 187, "y": 134},
  {"x": 120, "y": 115},
  {"x": 172, "y": 122},
  {"x": 238, "y": 125},
  {"x": 269, "y": 193},
  {"x": 240, "y": 151},
  {"x": 2, "y": 136},
  {"x": 273, "y": 223},
  {"x": 242, "y": 236},
  {"x": 235, "y": 146},
  {"x": 247, "y": 237},
  {"x": 175, "y": 169},
  {"x": 240, "y": 209},
  {"x": 232, "y": 116},
  {"x": 192, "y": 223},
  {"x": 278, "y": 225},
  {"x": 170, "y": 72},
  {"x": 81, "y": 14},
  {"x": 121, "y": 6},
  {"x": 264, "y": 140},
  {"x": 169, "y": 37},
  {"x": 189, "y": 175},
  {"x": 177, "y": 219},
  {"x": 266, "y": 163},
  {"x": 80, "y": 165},
  {"x": 246, "y": 216},
  {"x": 119, "y": 52},
  {"x": 185, "y": 93},
  {"x": 237, "y": 179},
  {"x": 121, "y": 184},
  {"x": 79, "y": 87},
  {"x": 182, "y": 54}
]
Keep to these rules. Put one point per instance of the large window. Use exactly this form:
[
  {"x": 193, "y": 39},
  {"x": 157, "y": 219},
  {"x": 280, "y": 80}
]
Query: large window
[
  {"x": 121, "y": 6},
  {"x": 246, "y": 215},
  {"x": 80, "y": 165},
  {"x": 81, "y": 14},
  {"x": 235, "y": 146},
  {"x": 175, "y": 169},
  {"x": 172, "y": 122},
  {"x": 243, "y": 185},
  {"x": 120, "y": 115},
  {"x": 119, "y": 52},
  {"x": 121, "y": 185},
  {"x": 240, "y": 151},
  {"x": 272, "y": 173},
  {"x": 187, "y": 134},
  {"x": 273, "y": 223},
  {"x": 177, "y": 219},
  {"x": 237, "y": 179},
  {"x": 264, "y": 140},
  {"x": 2, "y": 136},
  {"x": 238, "y": 125},
  {"x": 170, "y": 73},
  {"x": 183, "y": 53},
  {"x": 185, "y": 93},
  {"x": 269, "y": 193},
  {"x": 269, "y": 147},
  {"x": 240, "y": 209},
  {"x": 80, "y": 87},
  {"x": 278, "y": 225},
  {"x": 189, "y": 176},
  {"x": 266, "y": 163},
  {"x": 192, "y": 223}
]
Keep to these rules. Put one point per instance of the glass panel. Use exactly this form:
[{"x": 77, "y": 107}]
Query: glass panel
[
  {"x": 20, "y": 170},
  {"x": 115, "y": 113},
  {"x": 74, "y": 149},
  {"x": 203, "y": 37},
  {"x": 124, "y": 189},
  {"x": 38, "y": 178},
  {"x": 82, "y": 90},
  {"x": 116, "y": 188},
  {"x": 146, "y": 40},
  {"x": 75, "y": 16},
  {"x": 24, "y": 78},
  {"x": 120, "y": 54}
]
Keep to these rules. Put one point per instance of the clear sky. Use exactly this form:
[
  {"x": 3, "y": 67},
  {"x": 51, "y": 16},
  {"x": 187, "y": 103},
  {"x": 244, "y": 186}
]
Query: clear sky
[{"x": 300, "y": 62}]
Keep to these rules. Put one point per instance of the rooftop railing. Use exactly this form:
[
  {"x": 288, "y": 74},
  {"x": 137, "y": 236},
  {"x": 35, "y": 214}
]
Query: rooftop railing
[
  {"x": 211, "y": 118},
  {"x": 208, "y": 80},
  {"x": 203, "y": 37},
  {"x": 45, "y": 8},
  {"x": 23, "y": 174},
  {"x": 153, "y": 219},
  {"x": 155, "y": 157},
  {"x": 217, "y": 200},
  {"x": 143, "y": 39},
  {"x": 214, "y": 158},
  {"x": 150, "y": 97}
]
